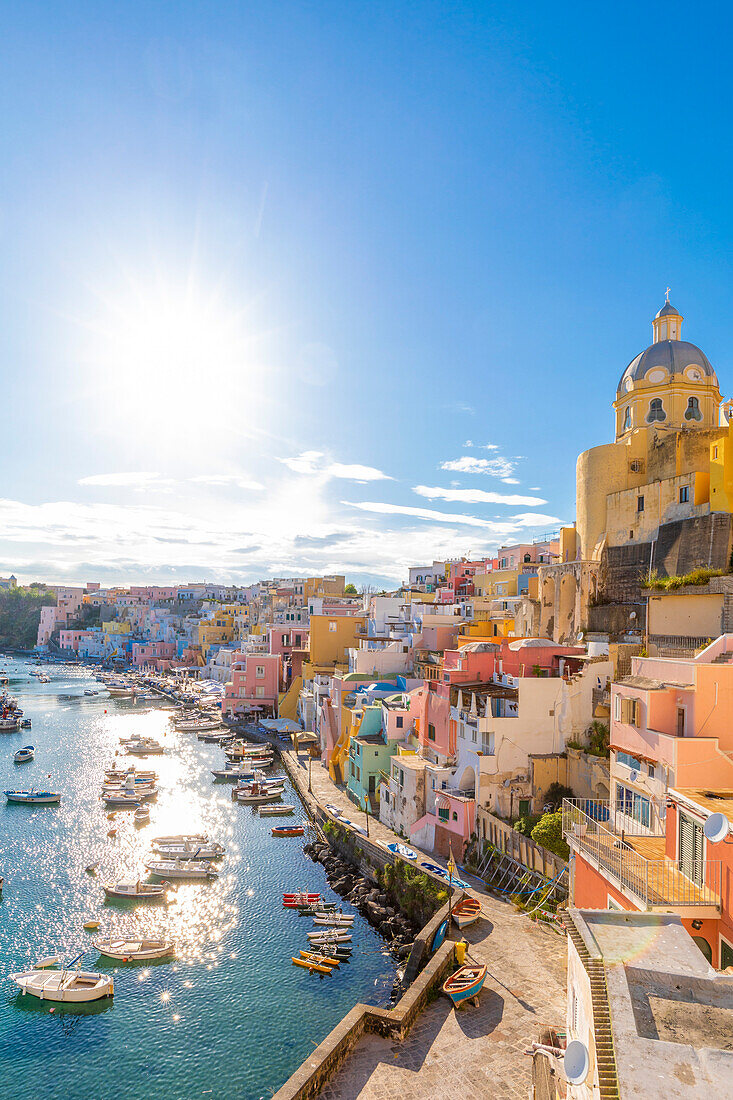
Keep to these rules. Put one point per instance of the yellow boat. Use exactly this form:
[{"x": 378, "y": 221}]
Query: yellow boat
[
  {"x": 312, "y": 966},
  {"x": 319, "y": 958},
  {"x": 90, "y": 925}
]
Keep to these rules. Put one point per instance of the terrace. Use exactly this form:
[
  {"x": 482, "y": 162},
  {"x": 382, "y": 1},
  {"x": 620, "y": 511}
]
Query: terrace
[{"x": 628, "y": 848}]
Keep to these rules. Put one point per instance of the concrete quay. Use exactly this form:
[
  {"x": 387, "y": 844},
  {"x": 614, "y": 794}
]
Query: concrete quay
[{"x": 446, "y": 1054}]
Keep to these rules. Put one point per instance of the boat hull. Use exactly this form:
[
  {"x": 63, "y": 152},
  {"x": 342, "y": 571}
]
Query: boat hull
[
  {"x": 466, "y": 983},
  {"x": 69, "y": 987},
  {"x": 134, "y": 951}
]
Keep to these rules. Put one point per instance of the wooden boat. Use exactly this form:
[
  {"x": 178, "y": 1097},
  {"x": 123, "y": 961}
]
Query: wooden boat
[
  {"x": 465, "y": 912},
  {"x": 465, "y": 983},
  {"x": 181, "y": 868},
  {"x": 280, "y": 809},
  {"x": 135, "y": 891},
  {"x": 119, "y": 775},
  {"x": 440, "y": 934},
  {"x": 190, "y": 850},
  {"x": 26, "y": 753},
  {"x": 135, "y": 950},
  {"x": 329, "y": 936},
  {"x": 325, "y": 959},
  {"x": 254, "y": 793},
  {"x": 67, "y": 985},
  {"x": 142, "y": 814},
  {"x": 402, "y": 850},
  {"x": 311, "y": 964},
  {"x": 41, "y": 798},
  {"x": 180, "y": 839},
  {"x": 291, "y": 830},
  {"x": 121, "y": 800},
  {"x": 91, "y": 925},
  {"x": 335, "y": 920}
]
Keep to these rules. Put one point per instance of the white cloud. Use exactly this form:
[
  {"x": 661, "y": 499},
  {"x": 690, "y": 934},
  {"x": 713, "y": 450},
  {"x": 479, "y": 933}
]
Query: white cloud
[
  {"x": 316, "y": 463},
  {"x": 511, "y": 480},
  {"x": 535, "y": 489},
  {"x": 474, "y": 496},
  {"x": 139, "y": 479},
  {"x": 535, "y": 519},
  {"x": 428, "y": 513},
  {"x": 237, "y": 481},
  {"x": 467, "y": 464}
]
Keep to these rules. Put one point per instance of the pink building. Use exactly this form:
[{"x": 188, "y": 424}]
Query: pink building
[
  {"x": 152, "y": 653},
  {"x": 69, "y": 639},
  {"x": 254, "y": 686}
]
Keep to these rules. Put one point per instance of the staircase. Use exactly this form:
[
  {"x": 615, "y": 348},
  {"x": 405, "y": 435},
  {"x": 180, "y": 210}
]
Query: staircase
[{"x": 605, "y": 1057}]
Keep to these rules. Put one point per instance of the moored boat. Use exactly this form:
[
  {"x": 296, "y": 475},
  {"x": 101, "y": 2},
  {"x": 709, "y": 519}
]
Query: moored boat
[
  {"x": 134, "y": 950},
  {"x": 258, "y": 792},
  {"x": 329, "y": 936},
  {"x": 334, "y": 920},
  {"x": 34, "y": 797},
  {"x": 317, "y": 966},
  {"x": 135, "y": 891},
  {"x": 190, "y": 850},
  {"x": 26, "y": 753},
  {"x": 465, "y": 912},
  {"x": 142, "y": 815},
  {"x": 181, "y": 868},
  {"x": 465, "y": 983},
  {"x": 66, "y": 985},
  {"x": 285, "y": 830},
  {"x": 280, "y": 809},
  {"x": 325, "y": 959}
]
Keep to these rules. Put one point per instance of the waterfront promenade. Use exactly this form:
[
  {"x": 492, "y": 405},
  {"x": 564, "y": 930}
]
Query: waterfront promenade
[{"x": 475, "y": 1052}]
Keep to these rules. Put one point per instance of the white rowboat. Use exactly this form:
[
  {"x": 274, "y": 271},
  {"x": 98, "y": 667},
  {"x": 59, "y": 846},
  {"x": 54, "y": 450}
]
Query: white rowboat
[{"x": 135, "y": 950}]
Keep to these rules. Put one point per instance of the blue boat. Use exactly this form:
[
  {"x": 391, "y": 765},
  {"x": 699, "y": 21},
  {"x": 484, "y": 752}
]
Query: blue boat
[
  {"x": 402, "y": 850},
  {"x": 26, "y": 753},
  {"x": 439, "y": 936},
  {"x": 33, "y": 796},
  {"x": 465, "y": 983}
]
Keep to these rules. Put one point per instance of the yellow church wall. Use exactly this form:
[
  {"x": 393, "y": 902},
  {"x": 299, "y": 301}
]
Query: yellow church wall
[
  {"x": 721, "y": 471},
  {"x": 674, "y": 397},
  {"x": 661, "y": 505}
]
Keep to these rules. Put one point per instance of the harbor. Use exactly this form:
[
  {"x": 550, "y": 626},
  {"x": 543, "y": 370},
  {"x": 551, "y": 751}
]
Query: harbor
[{"x": 228, "y": 1010}]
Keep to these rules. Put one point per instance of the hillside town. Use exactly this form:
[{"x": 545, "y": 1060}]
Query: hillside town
[{"x": 565, "y": 700}]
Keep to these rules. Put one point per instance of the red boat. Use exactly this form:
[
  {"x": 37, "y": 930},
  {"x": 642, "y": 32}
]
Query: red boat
[
  {"x": 465, "y": 984},
  {"x": 466, "y": 912},
  {"x": 294, "y": 901},
  {"x": 288, "y": 830}
]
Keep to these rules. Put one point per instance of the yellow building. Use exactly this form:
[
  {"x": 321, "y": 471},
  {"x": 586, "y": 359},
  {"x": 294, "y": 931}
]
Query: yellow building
[
  {"x": 323, "y": 586},
  {"x": 331, "y": 638},
  {"x": 670, "y": 448},
  {"x": 222, "y": 628}
]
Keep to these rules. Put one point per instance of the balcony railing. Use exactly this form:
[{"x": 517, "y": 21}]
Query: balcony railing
[
  {"x": 654, "y": 883},
  {"x": 455, "y": 792},
  {"x": 645, "y": 818}
]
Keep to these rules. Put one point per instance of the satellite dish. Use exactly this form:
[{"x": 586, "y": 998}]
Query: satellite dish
[
  {"x": 634, "y": 776},
  {"x": 716, "y": 828},
  {"x": 576, "y": 1062}
]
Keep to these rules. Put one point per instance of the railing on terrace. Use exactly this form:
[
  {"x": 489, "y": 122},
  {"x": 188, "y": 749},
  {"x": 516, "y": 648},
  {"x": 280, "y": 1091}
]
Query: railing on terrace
[
  {"x": 677, "y": 645},
  {"x": 654, "y": 882},
  {"x": 644, "y": 818},
  {"x": 455, "y": 792}
]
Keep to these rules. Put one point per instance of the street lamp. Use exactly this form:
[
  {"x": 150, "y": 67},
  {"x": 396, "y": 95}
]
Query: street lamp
[
  {"x": 451, "y": 872},
  {"x": 310, "y": 761},
  {"x": 366, "y": 811}
]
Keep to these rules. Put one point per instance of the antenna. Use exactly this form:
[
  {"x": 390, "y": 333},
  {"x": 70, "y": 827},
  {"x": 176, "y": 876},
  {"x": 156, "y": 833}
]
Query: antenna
[
  {"x": 576, "y": 1062},
  {"x": 716, "y": 828}
]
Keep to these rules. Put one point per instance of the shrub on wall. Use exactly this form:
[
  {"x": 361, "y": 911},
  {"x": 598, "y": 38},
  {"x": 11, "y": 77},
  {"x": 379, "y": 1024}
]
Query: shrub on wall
[{"x": 548, "y": 833}]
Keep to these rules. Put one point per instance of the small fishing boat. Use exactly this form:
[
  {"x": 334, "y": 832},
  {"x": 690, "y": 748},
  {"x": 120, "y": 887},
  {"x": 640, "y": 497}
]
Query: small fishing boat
[
  {"x": 465, "y": 984},
  {"x": 135, "y": 891},
  {"x": 334, "y": 920},
  {"x": 118, "y": 775},
  {"x": 317, "y": 909},
  {"x": 190, "y": 850},
  {"x": 440, "y": 934},
  {"x": 288, "y": 830},
  {"x": 402, "y": 850},
  {"x": 181, "y": 868},
  {"x": 26, "y": 753},
  {"x": 325, "y": 959},
  {"x": 135, "y": 950},
  {"x": 91, "y": 868},
  {"x": 435, "y": 869},
  {"x": 90, "y": 691},
  {"x": 181, "y": 839},
  {"x": 121, "y": 800},
  {"x": 255, "y": 793},
  {"x": 466, "y": 912},
  {"x": 91, "y": 925},
  {"x": 312, "y": 965},
  {"x": 142, "y": 815},
  {"x": 280, "y": 809},
  {"x": 329, "y": 937},
  {"x": 67, "y": 985},
  {"x": 40, "y": 798}
]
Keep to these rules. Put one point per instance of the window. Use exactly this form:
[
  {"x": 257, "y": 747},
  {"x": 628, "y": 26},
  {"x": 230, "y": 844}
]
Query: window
[
  {"x": 690, "y": 848},
  {"x": 260, "y": 692},
  {"x": 443, "y": 815},
  {"x": 617, "y": 707},
  {"x": 680, "y": 721},
  {"x": 633, "y": 805},
  {"x": 631, "y": 711},
  {"x": 402, "y": 778},
  {"x": 640, "y": 504},
  {"x": 629, "y": 760},
  {"x": 260, "y": 672},
  {"x": 431, "y": 732},
  {"x": 684, "y": 494},
  {"x": 651, "y": 771},
  {"x": 656, "y": 411},
  {"x": 400, "y": 721},
  {"x": 692, "y": 412},
  {"x": 455, "y": 816},
  {"x": 627, "y": 419},
  {"x": 715, "y": 452},
  {"x": 332, "y": 627}
]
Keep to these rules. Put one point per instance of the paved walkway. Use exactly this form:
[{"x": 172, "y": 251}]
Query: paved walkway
[{"x": 473, "y": 1052}]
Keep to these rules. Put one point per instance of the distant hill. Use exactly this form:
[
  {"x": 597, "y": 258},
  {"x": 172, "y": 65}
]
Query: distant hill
[{"x": 20, "y": 613}]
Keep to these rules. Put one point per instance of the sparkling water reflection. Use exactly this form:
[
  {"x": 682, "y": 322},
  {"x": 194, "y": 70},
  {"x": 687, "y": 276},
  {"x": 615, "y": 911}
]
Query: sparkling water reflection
[{"x": 231, "y": 1011}]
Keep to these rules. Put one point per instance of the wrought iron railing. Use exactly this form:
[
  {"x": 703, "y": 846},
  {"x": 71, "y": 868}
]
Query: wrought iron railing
[
  {"x": 654, "y": 882},
  {"x": 646, "y": 817}
]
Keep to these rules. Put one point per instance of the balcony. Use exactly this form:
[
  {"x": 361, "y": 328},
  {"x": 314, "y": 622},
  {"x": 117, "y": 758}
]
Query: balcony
[{"x": 634, "y": 862}]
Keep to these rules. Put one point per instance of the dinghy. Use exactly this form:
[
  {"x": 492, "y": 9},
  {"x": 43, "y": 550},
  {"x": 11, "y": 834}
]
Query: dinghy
[
  {"x": 133, "y": 950},
  {"x": 135, "y": 891},
  {"x": 142, "y": 815},
  {"x": 26, "y": 753},
  {"x": 465, "y": 983},
  {"x": 312, "y": 965},
  {"x": 196, "y": 850},
  {"x": 254, "y": 793},
  {"x": 334, "y": 920},
  {"x": 466, "y": 912},
  {"x": 278, "y": 810},
  {"x": 325, "y": 959},
  {"x": 318, "y": 909},
  {"x": 329, "y": 937},
  {"x": 67, "y": 985},
  {"x": 121, "y": 800},
  {"x": 40, "y": 798},
  {"x": 181, "y": 868},
  {"x": 180, "y": 839},
  {"x": 402, "y": 850},
  {"x": 284, "y": 830}
]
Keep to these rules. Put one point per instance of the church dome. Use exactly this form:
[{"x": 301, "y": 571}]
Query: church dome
[
  {"x": 674, "y": 357},
  {"x": 667, "y": 310}
]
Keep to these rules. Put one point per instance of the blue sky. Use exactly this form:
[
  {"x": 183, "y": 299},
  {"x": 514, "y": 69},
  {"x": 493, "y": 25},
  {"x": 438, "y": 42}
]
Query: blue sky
[{"x": 268, "y": 270}]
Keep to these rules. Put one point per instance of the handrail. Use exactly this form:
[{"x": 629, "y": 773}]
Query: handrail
[{"x": 655, "y": 882}]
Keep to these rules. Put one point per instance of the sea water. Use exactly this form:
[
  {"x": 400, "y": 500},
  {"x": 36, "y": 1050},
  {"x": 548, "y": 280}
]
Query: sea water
[{"x": 230, "y": 1015}]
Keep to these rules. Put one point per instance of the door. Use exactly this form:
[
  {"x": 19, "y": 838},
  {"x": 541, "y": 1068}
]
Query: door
[
  {"x": 680, "y": 721},
  {"x": 691, "y": 837},
  {"x": 372, "y": 784},
  {"x": 726, "y": 955},
  {"x": 524, "y": 807}
]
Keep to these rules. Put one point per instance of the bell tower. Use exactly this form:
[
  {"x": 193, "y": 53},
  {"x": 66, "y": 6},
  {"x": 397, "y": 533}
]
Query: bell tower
[{"x": 667, "y": 324}]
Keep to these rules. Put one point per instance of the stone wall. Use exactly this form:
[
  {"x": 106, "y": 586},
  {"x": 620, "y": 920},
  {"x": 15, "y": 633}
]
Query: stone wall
[{"x": 522, "y": 848}]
